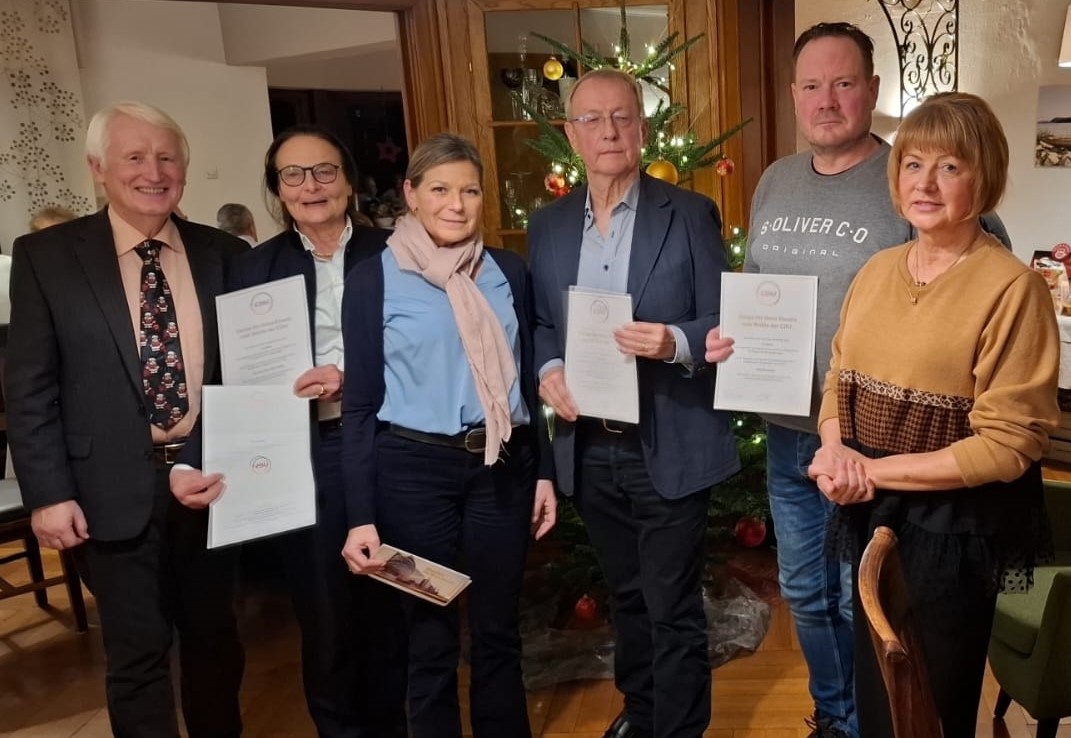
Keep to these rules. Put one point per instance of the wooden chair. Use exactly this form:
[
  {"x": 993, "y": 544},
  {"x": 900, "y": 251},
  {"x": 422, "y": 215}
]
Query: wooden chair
[
  {"x": 15, "y": 526},
  {"x": 887, "y": 604}
]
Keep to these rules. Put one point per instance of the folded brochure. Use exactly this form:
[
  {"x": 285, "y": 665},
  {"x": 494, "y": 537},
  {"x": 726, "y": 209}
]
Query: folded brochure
[{"x": 418, "y": 576}]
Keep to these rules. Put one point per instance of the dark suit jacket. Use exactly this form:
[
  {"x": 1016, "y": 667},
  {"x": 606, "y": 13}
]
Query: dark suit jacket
[
  {"x": 77, "y": 414},
  {"x": 362, "y": 327},
  {"x": 674, "y": 278},
  {"x": 280, "y": 257}
]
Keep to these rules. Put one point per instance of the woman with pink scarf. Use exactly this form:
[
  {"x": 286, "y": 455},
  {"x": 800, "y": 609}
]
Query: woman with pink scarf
[{"x": 441, "y": 450}]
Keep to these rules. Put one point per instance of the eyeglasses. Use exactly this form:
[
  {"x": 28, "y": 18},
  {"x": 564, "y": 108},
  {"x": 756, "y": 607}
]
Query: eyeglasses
[
  {"x": 590, "y": 122},
  {"x": 323, "y": 173}
]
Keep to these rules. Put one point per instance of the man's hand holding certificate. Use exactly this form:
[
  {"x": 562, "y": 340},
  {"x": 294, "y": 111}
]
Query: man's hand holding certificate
[{"x": 771, "y": 319}]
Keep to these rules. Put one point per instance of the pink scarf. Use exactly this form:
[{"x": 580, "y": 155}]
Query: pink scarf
[{"x": 482, "y": 337}]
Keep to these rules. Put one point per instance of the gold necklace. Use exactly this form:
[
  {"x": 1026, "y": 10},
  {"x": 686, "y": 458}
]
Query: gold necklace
[
  {"x": 919, "y": 283},
  {"x": 322, "y": 257}
]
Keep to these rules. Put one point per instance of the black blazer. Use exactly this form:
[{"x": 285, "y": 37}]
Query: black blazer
[
  {"x": 362, "y": 328},
  {"x": 77, "y": 413},
  {"x": 674, "y": 277},
  {"x": 280, "y": 257}
]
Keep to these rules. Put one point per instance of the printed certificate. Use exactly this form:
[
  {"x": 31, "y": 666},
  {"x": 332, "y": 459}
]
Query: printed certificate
[
  {"x": 258, "y": 438},
  {"x": 771, "y": 318},
  {"x": 264, "y": 333},
  {"x": 601, "y": 379}
]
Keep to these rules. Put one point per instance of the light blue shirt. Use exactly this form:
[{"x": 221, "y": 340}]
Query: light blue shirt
[{"x": 429, "y": 385}]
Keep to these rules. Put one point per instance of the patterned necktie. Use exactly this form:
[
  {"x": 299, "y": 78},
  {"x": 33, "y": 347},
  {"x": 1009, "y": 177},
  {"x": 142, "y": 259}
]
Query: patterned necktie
[{"x": 162, "y": 371}]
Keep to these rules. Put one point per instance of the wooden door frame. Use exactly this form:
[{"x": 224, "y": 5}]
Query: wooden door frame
[{"x": 426, "y": 91}]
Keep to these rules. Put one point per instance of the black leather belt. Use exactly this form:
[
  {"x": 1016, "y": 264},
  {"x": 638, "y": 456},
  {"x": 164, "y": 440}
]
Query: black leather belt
[
  {"x": 167, "y": 453},
  {"x": 473, "y": 440},
  {"x": 601, "y": 425},
  {"x": 330, "y": 425}
]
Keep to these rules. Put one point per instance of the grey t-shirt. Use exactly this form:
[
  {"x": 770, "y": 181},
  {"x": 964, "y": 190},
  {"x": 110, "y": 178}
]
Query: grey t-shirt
[{"x": 803, "y": 222}]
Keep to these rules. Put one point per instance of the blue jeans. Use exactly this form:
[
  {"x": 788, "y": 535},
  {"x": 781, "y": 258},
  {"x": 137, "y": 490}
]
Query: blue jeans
[{"x": 818, "y": 590}]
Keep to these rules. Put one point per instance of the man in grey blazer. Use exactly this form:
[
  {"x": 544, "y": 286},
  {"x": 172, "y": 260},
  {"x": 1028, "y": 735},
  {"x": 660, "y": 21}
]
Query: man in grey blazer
[
  {"x": 642, "y": 490},
  {"x": 113, "y": 333}
]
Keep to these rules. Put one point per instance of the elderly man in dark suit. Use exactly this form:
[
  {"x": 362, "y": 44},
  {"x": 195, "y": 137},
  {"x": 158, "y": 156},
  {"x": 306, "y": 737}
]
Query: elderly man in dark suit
[
  {"x": 642, "y": 490},
  {"x": 113, "y": 333}
]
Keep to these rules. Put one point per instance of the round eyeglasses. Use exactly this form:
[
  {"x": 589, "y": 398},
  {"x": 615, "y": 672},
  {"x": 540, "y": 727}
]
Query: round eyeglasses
[{"x": 324, "y": 173}]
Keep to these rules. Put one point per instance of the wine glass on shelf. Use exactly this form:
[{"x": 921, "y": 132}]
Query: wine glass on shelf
[
  {"x": 513, "y": 189},
  {"x": 513, "y": 79}
]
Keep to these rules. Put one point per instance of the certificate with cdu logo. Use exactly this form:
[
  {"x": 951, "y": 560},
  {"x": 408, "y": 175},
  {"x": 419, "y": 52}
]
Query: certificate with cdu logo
[
  {"x": 771, "y": 319},
  {"x": 264, "y": 333},
  {"x": 603, "y": 380}
]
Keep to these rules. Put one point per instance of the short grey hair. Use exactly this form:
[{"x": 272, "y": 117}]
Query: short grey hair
[
  {"x": 235, "y": 218},
  {"x": 606, "y": 73},
  {"x": 97, "y": 133}
]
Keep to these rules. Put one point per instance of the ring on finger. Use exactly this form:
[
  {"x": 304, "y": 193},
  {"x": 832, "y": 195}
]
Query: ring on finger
[{"x": 323, "y": 391}]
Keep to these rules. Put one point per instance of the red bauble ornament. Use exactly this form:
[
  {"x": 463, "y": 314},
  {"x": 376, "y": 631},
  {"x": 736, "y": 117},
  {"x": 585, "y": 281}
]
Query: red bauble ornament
[
  {"x": 1061, "y": 252},
  {"x": 586, "y": 609},
  {"x": 556, "y": 184},
  {"x": 725, "y": 167},
  {"x": 750, "y": 532}
]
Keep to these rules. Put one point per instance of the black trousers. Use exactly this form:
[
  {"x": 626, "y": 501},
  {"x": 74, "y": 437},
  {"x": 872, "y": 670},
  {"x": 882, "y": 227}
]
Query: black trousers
[
  {"x": 651, "y": 552},
  {"x": 148, "y": 587},
  {"x": 353, "y": 651},
  {"x": 445, "y": 505}
]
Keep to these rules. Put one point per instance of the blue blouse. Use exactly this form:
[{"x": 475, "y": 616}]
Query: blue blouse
[{"x": 429, "y": 385}]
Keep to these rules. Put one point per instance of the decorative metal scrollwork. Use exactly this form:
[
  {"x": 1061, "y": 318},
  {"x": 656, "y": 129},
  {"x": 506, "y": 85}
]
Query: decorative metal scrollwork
[{"x": 927, "y": 39}]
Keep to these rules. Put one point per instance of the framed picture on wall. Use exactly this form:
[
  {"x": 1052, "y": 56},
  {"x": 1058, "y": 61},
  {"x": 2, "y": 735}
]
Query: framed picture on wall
[{"x": 1053, "y": 142}]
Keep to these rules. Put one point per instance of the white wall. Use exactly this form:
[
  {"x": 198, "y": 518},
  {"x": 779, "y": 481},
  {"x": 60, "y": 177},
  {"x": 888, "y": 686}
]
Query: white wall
[
  {"x": 254, "y": 34},
  {"x": 365, "y": 70},
  {"x": 171, "y": 55},
  {"x": 1007, "y": 50}
]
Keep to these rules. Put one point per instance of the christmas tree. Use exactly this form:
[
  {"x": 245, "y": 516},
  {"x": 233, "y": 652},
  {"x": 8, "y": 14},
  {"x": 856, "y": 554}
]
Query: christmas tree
[{"x": 667, "y": 154}]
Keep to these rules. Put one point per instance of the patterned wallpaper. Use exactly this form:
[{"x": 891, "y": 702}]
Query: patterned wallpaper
[{"x": 42, "y": 126}]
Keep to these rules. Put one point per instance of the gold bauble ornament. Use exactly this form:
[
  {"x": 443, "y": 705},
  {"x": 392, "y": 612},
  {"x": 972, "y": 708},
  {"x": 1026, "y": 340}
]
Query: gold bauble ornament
[
  {"x": 553, "y": 69},
  {"x": 663, "y": 170}
]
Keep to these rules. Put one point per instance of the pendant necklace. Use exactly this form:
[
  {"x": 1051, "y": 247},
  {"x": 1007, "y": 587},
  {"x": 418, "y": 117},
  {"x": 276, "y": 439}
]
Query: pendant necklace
[{"x": 920, "y": 283}]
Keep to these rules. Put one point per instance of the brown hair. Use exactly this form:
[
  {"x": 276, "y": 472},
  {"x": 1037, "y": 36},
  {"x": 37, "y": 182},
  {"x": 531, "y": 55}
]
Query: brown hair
[
  {"x": 965, "y": 126},
  {"x": 271, "y": 173},
  {"x": 838, "y": 30}
]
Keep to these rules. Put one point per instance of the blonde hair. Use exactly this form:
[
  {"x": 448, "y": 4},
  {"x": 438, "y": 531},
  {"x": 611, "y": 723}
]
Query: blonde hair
[
  {"x": 441, "y": 148},
  {"x": 97, "y": 133},
  {"x": 965, "y": 126},
  {"x": 606, "y": 73},
  {"x": 49, "y": 216}
]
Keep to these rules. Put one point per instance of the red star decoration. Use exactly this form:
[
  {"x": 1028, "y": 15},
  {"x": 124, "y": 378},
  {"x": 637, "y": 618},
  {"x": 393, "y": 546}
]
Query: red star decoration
[{"x": 388, "y": 150}]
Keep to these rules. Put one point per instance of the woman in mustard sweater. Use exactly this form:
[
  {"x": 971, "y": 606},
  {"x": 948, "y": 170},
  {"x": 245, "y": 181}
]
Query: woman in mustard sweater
[{"x": 938, "y": 403}]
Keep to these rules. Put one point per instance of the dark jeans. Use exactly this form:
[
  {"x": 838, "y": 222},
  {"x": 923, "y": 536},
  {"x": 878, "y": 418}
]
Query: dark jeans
[
  {"x": 445, "y": 505},
  {"x": 352, "y": 639},
  {"x": 651, "y": 551},
  {"x": 148, "y": 587}
]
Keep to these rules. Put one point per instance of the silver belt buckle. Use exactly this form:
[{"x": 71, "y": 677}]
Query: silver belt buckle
[
  {"x": 474, "y": 437},
  {"x": 608, "y": 429}
]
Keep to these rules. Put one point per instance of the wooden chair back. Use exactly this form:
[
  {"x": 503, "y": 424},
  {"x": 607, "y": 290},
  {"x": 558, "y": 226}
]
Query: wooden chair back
[{"x": 887, "y": 603}]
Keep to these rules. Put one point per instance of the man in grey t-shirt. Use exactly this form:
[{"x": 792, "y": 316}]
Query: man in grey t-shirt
[{"x": 822, "y": 212}]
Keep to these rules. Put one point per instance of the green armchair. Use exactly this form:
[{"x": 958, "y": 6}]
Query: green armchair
[{"x": 1030, "y": 649}]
